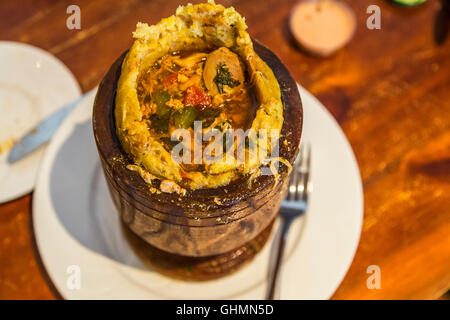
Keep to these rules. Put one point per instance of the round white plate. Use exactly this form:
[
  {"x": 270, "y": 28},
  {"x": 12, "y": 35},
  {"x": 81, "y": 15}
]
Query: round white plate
[
  {"x": 78, "y": 232},
  {"x": 33, "y": 85}
]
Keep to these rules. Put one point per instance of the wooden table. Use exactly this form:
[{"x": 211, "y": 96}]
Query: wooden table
[{"x": 389, "y": 89}]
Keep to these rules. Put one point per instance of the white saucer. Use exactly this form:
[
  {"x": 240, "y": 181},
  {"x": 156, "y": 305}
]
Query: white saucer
[
  {"x": 76, "y": 223},
  {"x": 33, "y": 84}
]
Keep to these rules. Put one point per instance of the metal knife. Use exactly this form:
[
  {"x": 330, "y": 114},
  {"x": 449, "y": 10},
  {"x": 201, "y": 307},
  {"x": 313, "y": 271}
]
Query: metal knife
[{"x": 41, "y": 133}]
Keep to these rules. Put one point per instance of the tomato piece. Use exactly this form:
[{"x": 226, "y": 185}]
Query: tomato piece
[
  {"x": 171, "y": 79},
  {"x": 197, "y": 98},
  {"x": 184, "y": 175}
]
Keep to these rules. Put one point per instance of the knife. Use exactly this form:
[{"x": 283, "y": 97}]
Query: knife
[{"x": 41, "y": 133}]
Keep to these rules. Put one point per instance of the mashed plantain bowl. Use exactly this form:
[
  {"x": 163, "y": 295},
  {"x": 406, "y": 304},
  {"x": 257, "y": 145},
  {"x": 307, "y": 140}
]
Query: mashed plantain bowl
[
  {"x": 167, "y": 103},
  {"x": 196, "y": 72}
]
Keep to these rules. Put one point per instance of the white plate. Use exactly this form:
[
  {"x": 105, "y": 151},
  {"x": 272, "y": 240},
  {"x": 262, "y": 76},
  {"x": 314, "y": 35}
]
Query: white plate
[
  {"x": 33, "y": 85},
  {"x": 76, "y": 223}
]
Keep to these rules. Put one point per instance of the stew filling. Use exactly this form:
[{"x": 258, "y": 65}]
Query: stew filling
[{"x": 183, "y": 87}]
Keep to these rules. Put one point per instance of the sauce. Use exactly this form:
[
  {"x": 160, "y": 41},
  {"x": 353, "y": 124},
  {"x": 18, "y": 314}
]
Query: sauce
[{"x": 323, "y": 26}]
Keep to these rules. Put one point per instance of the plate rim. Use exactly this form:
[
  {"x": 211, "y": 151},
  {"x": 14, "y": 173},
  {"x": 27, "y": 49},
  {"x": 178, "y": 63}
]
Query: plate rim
[{"x": 355, "y": 243}]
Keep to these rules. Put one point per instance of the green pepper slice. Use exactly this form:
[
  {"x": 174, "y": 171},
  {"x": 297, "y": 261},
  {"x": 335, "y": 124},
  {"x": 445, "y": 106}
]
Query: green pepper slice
[
  {"x": 160, "y": 98},
  {"x": 185, "y": 117}
]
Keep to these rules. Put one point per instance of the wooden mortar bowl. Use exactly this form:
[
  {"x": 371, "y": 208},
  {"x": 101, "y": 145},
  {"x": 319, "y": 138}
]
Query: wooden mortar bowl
[{"x": 203, "y": 222}]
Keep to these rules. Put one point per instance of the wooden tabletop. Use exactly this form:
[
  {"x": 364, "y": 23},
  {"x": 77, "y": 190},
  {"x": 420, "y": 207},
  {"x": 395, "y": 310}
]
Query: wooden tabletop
[{"x": 389, "y": 89}]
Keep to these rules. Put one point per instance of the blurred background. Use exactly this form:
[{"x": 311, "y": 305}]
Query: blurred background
[{"x": 388, "y": 88}]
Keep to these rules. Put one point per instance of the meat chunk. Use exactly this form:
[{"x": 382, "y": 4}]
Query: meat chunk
[
  {"x": 169, "y": 186},
  {"x": 223, "y": 72}
]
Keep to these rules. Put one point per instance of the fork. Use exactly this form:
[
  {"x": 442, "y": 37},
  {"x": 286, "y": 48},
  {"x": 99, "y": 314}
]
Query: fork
[{"x": 292, "y": 207}]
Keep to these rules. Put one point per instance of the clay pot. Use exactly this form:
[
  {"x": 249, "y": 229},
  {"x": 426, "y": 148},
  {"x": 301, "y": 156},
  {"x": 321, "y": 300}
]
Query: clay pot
[{"x": 203, "y": 222}]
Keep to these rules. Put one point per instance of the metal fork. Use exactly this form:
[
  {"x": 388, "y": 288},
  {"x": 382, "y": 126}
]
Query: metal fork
[{"x": 292, "y": 207}]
